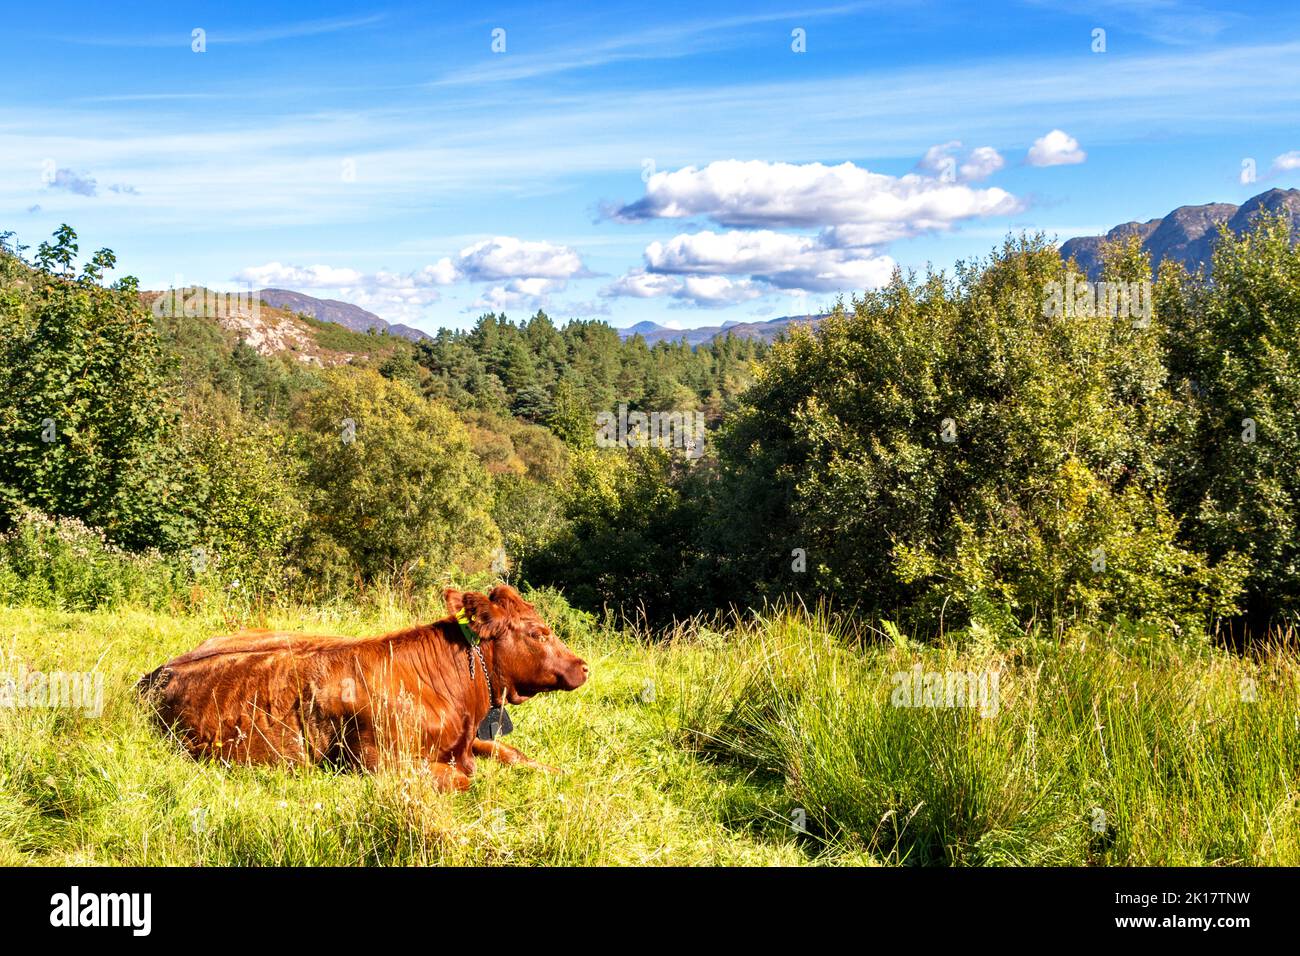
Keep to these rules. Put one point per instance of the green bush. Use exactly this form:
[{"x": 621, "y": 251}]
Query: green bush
[
  {"x": 244, "y": 489},
  {"x": 955, "y": 451},
  {"x": 63, "y": 564},
  {"x": 85, "y": 424},
  {"x": 1233, "y": 345},
  {"x": 393, "y": 488},
  {"x": 629, "y": 523}
]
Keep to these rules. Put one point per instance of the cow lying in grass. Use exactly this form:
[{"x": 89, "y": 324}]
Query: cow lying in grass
[{"x": 421, "y": 693}]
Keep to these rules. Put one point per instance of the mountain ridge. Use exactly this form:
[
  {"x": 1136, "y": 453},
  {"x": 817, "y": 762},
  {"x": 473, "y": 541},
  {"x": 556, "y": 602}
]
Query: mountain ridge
[
  {"x": 768, "y": 330},
  {"x": 1186, "y": 234},
  {"x": 342, "y": 313}
]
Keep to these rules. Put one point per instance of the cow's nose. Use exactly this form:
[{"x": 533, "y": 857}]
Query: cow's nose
[{"x": 585, "y": 669}]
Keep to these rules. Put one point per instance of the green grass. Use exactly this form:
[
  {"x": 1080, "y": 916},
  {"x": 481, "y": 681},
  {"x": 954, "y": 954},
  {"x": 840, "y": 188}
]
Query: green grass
[{"x": 698, "y": 750}]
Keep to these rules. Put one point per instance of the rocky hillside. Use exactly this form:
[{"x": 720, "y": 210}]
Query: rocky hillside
[
  {"x": 340, "y": 313},
  {"x": 1187, "y": 234},
  {"x": 267, "y": 329}
]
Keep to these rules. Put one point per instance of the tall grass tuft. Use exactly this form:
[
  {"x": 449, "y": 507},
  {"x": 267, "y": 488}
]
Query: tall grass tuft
[{"x": 1095, "y": 755}]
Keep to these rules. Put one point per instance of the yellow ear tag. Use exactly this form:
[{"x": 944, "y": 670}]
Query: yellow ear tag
[{"x": 463, "y": 620}]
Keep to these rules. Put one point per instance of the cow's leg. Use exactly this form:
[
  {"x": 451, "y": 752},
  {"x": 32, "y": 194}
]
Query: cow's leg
[
  {"x": 448, "y": 778},
  {"x": 508, "y": 755}
]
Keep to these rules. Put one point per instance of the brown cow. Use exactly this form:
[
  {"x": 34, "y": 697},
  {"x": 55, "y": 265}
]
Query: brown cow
[{"x": 264, "y": 697}]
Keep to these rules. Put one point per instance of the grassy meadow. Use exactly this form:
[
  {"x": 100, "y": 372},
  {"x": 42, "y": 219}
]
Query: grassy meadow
[{"x": 766, "y": 740}]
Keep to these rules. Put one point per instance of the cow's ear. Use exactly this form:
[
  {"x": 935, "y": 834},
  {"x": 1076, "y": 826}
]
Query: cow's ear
[
  {"x": 454, "y": 600},
  {"x": 508, "y": 599},
  {"x": 482, "y": 614}
]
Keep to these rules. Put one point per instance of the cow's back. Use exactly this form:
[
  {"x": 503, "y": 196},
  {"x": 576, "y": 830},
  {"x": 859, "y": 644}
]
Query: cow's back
[{"x": 266, "y": 697}]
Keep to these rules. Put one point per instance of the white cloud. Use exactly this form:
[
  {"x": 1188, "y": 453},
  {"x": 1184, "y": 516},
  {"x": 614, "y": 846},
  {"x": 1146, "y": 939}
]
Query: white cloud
[
  {"x": 442, "y": 272},
  {"x": 758, "y": 193},
  {"x": 936, "y": 158},
  {"x": 981, "y": 163},
  {"x": 277, "y": 275},
  {"x": 703, "y": 291},
  {"x": 527, "y": 293},
  {"x": 978, "y": 163},
  {"x": 534, "y": 270},
  {"x": 639, "y": 284},
  {"x": 779, "y": 260},
  {"x": 712, "y": 292},
  {"x": 1287, "y": 161},
  {"x": 858, "y": 211},
  {"x": 506, "y": 257},
  {"x": 1057, "y": 148},
  {"x": 710, "y": 252}
]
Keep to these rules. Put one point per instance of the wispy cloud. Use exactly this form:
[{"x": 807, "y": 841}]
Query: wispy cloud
[
  {"x": 80, "y": 184},
  {"x": 286, "y": 168},
  {"x": 1286, "y": 162},
  {"x": 182, "y": 38},
  {"x": 1175, "y": 22},
  {"x": 657, "y": 43},
  {"x": 420, "y": 147}
]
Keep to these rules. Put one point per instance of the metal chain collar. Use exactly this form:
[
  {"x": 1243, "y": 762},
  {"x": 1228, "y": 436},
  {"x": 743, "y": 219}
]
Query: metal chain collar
[{"x": 477, "y": 651}]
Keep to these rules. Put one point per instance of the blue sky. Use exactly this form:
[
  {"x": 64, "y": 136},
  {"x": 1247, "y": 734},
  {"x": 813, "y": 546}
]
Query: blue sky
[{"x": 679, "y": 162}]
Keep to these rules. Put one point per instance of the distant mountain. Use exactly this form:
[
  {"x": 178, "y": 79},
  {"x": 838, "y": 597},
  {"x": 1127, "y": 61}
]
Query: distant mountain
[
  {"x": 1187, "y": 234},
  {"x": 767, "y": 330},
  {"x": 644, "y": 329},
  {"x": 265, "y": 328},
  {"x": 332, "y": 310}
]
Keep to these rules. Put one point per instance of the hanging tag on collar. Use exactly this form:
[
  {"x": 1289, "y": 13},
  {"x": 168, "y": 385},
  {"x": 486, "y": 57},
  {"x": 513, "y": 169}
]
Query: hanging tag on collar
[
  {"x": 496, "y": 724},
  {"x": 465, "y": 629}
]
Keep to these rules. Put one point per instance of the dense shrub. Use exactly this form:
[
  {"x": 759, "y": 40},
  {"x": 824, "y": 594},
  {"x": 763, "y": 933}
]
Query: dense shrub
[
  {"x": 954, "y": 450},
  {"x": 244, "y": 487},
  {"x": 629, "y": 523},
  {"x": 392, "y": 485},
  {"x": 529, "y": 466},
  {"x": 86, "y": 430},
  {"x": 61, "y": 563},
  {"x": 1233, "y": 345}
]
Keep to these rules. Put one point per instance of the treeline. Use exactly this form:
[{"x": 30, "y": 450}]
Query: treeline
[
  {"x": 951, "y": 451},
  {"x": 167, "y": 436},
  {"x": 537, "y": 372}
]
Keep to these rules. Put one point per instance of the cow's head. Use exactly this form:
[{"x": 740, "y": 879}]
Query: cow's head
[{"x": 527, "y": 656}]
